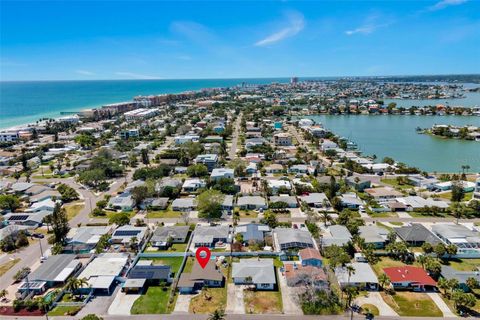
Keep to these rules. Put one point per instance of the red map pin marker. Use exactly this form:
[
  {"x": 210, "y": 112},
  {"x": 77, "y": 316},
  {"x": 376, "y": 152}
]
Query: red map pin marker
[{"x": 203, "y": 255}]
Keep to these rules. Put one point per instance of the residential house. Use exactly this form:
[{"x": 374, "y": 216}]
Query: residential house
[
  {"x": 184, "y": 204},
  {"x": 146, "y": 269},
  {"x": 275, "y": 185},
  {"x": 336, "y": 235},
  {"x": 219, "y": 173},
  {"x": 211, "y": 236},
  {"x": 192, "y": 185},
  {"x": 124, "y": 234},
  {"x": 450, "y": 273},
  {"x": 416, "y": 235},
  {"x": 409, "y": 277},
  {"x": 251, "y": 203},
  {"x": 298, "y": 275},
  {"x": 256, "y": 271},
  {"x": 52, "y": 272},
  {"x": 282, "y": 139},
  {"x": 154, "y": 204},
  {"x": 466, "y": 240},
  {"x": 227, "y": 204},
  {"x": 85, "y": 239},
  {"x": 383, "y": 193},
  {"x": 104, "y": 271},
  {"x": 253, "y": 232},
  {"x": 351, "y": 200},
  {"x": 374, "y": 235},
  {"x": 123, "y": 202},
  {"x": 363, "y": 276},
  {"x": 274, "y": 168},
  {"x": 310, "y": 257},
  {"x": 210, "y": 276},
  {"x": 28, "y": 219},
  {"x": 288, "y": 238},
  {"x": 209, "y": 160},
  {"x": 359, "y": 183},
  {"x": 290, "y": 201},
  {"x": 163, "y": 237},
  {"x": 316, "y": 200}
]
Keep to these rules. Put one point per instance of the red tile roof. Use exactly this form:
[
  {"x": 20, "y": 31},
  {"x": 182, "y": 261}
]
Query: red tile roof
[
  {"x": 309, "y": 253},
  {"x": 316, "y": 273},
  {"x": 415, "y": 275}
]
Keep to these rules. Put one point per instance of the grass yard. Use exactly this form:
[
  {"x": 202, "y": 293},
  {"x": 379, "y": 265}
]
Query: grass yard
[
  {"x": 382, "y": 214},
  {"x": 168, "y": 213},
  {"x": 394, "y": 183},
  {"x": 243, "y": 214},
  {"x": 370, "y": 308},
  {"x": 412, "y": 304},
  {"x": 73, "y": 209},
  {"x": 64, "y": 311},
  {"x": 154, "y": 301},
  {"x": 7, "y": 266},
  {"x": 386, "y": 262},
  {"x": 259, "y": 302},
  {"x": 175, "y": 247},
  {"x": 464, "y": 264},
  {"x": 448, "y": 195},
  {"x": 209, "y": 300}
]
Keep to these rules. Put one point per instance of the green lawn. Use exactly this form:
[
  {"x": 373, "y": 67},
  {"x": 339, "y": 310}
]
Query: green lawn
[
  {"x": 209, "y": 300},
  {"x": 464, "y": 264},
  {"x": 394, "y": 183},
  {"x": 448, "y": 196},
  {"x": 176, "y": 247},
  {"x": 168, "y": 213},
  {"x": 259, "y": 302},
  {"x": 382, "y": 214},
  {"x": 248, "y": 214},
  {"x": 73, "y": 209},
  {"x": 154, "y": 301},
  {"x": 8, "y": 265},
  {"x": 412, "y": 304},
  {"x": 386, "y": 262},
  {"x": 370, "y": 308},
  {"x": 64, "y": 311}
]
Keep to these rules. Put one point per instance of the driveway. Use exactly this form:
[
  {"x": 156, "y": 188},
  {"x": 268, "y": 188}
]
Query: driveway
[
  {"x": 122, "y": 303},
  {"x": 288, "y": 297},
  {"x": 376, "y": 299},
  {"x": 98, "y": 305},
  {"x": 447, "y": 313},
  {"x": 235, "y": 303},
  {"x": 183, "y": 303}
]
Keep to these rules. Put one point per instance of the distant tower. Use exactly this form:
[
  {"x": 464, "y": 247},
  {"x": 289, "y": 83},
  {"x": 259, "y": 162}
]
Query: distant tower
[{"x": 293, "y": 80}]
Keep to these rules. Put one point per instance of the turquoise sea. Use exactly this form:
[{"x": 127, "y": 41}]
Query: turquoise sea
[{"x": 24, "y": 102}]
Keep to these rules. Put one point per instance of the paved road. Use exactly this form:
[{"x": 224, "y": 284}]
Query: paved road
[{"x": 233, "y": 148}]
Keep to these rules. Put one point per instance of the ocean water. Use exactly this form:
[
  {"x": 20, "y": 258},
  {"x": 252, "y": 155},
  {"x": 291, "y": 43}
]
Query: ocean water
[
  {"x": 24, "y": 102},
  {"x": 395, "y": 136}
]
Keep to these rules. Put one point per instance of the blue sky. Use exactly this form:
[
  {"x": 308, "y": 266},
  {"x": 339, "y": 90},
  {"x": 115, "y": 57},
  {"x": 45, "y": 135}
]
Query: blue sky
[{"x": 91, "y": 40}]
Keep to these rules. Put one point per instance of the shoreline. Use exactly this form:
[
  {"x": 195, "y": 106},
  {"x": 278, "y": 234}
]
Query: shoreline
[{"x": 76, "y": 111}]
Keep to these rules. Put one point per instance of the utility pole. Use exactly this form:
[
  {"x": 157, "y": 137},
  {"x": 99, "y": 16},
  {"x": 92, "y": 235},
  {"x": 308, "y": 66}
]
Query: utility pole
[{"x": 41, "y": 249}]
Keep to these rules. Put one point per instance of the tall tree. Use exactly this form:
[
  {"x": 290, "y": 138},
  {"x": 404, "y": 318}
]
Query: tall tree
[
  {"x": 209, "y": 204},
  {"x": 59, "y": 222}
]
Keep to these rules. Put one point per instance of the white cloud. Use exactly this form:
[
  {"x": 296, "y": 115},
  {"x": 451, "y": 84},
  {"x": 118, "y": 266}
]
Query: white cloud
[
  {"x": 296, "y": 23},
  {"x": 370, "y": 25},
  {"x": 446, "y": 3},
  {"x": 85, "y": 72},
  {"x": 135, "y": 75}
]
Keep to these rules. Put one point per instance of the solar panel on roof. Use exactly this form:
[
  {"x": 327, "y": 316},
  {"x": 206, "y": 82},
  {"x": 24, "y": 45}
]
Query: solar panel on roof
[
  {"x": 18, "y": 218},
  {"x": 126, "y": 233}
]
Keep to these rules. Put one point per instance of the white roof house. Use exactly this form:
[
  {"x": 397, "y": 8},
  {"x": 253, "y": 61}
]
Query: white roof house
[
  {"x": 103, "y": 270},
  {"x": 219, "y": 173},
  {"x": 260, "y": 272},
  {"x": 363, "y": 274}
]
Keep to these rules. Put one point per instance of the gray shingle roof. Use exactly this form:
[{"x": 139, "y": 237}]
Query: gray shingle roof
[{"x": 260, "y": 270}]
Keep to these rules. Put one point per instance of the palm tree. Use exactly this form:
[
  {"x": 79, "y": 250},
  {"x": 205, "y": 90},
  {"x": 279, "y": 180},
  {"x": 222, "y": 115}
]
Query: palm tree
[
  {"x": 325, "y": 217},
  {"x": 3, "y": 293},
  {"x": 134, "y": 243},
  {"x": 217, "y": 315},
  {"x": 383, "y": 280},
  {"x": 350, "y": 270},
  {"x": 422, "y": 259},
  {"x": 73, "y": 284},
  {"x": 458, "y": 210}
]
